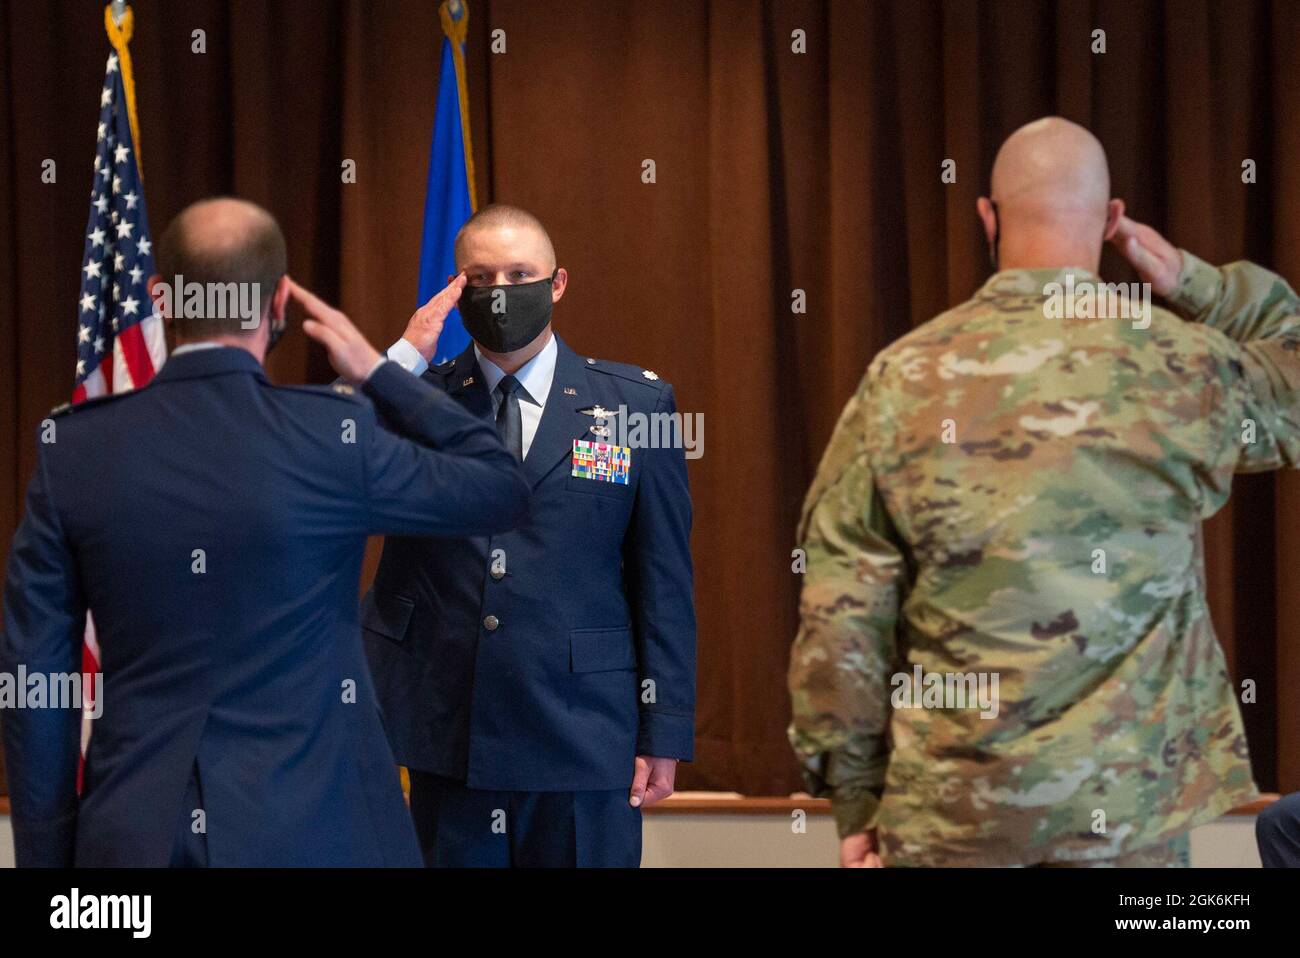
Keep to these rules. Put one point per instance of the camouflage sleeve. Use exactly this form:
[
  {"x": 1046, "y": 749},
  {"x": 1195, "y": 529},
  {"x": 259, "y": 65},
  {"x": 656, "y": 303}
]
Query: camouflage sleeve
[
  {"x": 1260, "y": 312},
  {"x": 845, "y": 649},
  {"x": 1243, "y": 301},
  {"x": 1264, "y": 429}
]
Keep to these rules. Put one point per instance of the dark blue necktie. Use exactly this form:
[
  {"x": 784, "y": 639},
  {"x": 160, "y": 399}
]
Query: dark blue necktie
[{"x": 510, "y": 423}]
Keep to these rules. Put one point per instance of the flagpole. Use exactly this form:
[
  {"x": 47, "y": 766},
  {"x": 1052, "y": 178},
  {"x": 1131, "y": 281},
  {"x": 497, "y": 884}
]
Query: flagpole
[
  {"x": 119, "y": 24},
  {"x": 454, "y": 16}
]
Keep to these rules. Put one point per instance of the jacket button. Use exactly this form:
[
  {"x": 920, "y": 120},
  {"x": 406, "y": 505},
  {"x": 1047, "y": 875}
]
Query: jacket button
[
  {"x": 491, "y": 623},
  {"x": 498, "y": 572}
]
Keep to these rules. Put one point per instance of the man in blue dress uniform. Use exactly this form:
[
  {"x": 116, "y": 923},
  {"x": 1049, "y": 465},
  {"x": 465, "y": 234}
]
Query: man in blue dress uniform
[
  {"x": 215, "y": 525},
  {"x": 540, "y": 683}
]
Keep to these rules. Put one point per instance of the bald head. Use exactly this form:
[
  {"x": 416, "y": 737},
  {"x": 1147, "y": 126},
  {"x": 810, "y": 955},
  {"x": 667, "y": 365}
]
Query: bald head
[
  {"x": 1051, "y": 165},
  {"x": 1051, "y": 188},
  {"x": 221, "y": 241}
]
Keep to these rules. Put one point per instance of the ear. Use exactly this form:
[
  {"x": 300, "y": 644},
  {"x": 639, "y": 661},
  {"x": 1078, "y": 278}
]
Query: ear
[
  {"x": 559, "y": 284},
  {"x": 1114, "y": 213},
  {"x": 280, "y": 300},
  {"x": 984, "y": 207},
  {"x": 159, "y": 295}
]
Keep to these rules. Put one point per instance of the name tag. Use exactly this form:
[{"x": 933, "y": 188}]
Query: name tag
[{"x": 601, "y": 461}]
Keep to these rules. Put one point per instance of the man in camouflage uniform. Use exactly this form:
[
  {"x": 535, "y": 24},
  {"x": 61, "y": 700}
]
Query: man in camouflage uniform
[{"x": 1014, "y": 496}]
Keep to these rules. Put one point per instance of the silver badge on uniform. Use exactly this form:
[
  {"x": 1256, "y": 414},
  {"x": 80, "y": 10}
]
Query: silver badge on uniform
[{"x": 601, "y": 415}]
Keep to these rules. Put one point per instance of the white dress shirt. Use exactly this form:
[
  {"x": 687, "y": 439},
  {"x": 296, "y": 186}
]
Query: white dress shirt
[
  {"x": 184, "y": 348},
  {"x": 535, "y": 376}
]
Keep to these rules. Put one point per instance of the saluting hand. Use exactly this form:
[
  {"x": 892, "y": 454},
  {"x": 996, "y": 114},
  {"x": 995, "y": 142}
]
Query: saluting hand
[
  {"x": 425, "y": 324},
  {"x": 1156, "y": 260},
  {"x": 350, "y": 354}
]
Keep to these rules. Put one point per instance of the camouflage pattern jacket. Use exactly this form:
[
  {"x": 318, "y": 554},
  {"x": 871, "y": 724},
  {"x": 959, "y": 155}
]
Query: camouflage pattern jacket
[{"x": 1005, "y": 655}]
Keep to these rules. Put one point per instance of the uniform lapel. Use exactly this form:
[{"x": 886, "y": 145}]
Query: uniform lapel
[
  {"x": 561, "y": 422},
  {"x": 466, "y": 383}
]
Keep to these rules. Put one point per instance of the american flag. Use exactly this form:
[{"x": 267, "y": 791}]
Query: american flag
[{"x": 120, "y": 340}]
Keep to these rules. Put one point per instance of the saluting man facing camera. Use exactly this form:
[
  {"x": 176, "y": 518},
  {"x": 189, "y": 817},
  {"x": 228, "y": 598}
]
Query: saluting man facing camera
[{"x": 540, "y": 684}]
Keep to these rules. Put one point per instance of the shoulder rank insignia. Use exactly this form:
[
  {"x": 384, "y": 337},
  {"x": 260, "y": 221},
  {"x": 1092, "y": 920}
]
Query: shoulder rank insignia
[
  {"x": 649, "y": 374},
  {"x": 60, "y": 408},
  {"x": 343, "y": 389}
]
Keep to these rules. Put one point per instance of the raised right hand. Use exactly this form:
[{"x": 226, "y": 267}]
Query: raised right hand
[
  {"x": 1156, "y": 260},
  {"x": 425, "y": 324},
  {"x": 350, "y": 353}
]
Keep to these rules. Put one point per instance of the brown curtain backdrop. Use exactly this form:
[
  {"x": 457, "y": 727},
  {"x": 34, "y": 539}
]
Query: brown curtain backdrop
[{"x": 775, "y": 171}]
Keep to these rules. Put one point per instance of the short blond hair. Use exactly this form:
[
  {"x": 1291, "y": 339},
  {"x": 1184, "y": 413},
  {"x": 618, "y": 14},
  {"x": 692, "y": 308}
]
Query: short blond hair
[{"x": 503, "y": 214}]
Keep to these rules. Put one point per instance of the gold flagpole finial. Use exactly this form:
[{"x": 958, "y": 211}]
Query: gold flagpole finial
[
  {"x": 454, "y": 15},
  {"x": 119, "y": 24}
]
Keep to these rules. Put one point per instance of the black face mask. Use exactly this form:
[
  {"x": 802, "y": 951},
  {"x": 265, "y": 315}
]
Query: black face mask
[
  {"x": 502, "y": 319},
  {"x": 273, "y": 335}
]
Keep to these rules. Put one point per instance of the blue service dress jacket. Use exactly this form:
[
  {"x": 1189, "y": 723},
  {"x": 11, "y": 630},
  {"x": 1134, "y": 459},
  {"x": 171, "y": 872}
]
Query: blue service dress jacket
[
  {"x": 546, "y": 657},
  {"x": 215, "y": 524}
]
